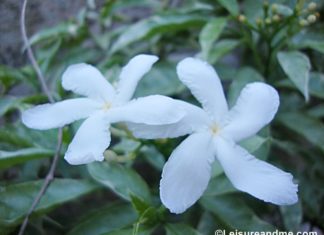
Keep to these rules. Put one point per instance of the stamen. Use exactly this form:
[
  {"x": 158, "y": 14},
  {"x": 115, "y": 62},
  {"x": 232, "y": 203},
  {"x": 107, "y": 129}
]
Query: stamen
[
  {"x": 214, "y": 129},
  {"x": 106, "y": 106}
]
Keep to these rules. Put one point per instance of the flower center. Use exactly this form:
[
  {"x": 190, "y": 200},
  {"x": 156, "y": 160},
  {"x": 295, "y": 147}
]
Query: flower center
[
  {"x": 214, "y": 128},
  {"x": 106, "y": 106}
]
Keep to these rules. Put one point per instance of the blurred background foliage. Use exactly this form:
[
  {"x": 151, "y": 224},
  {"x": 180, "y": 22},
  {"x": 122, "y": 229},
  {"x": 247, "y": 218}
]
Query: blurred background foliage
[{"x": 280, "y": 42}]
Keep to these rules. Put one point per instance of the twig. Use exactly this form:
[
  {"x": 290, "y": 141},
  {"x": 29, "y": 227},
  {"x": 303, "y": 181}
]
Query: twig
[
  {"x": 30, "y": 54},
  {"x": 50, "y": 174},
  {"x": 48, "y": 179}
]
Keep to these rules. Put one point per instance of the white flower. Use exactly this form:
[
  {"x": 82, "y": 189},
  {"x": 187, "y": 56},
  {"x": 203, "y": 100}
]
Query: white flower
[
  {"x": 104, "y": 105},
  {"x": 215, "y": 130}
]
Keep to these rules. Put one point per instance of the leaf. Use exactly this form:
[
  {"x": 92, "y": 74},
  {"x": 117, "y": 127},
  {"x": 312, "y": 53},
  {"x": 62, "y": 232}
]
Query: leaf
[
  {"x": 234, "y": 213},
  {"x": 230, "y": 5},
  {"x": 296, "y": 65},
  {"x": 153, "y": 156},
  {"x": 284, "y": 10},
  {"x": 292, "y": 216},
  {"x": 129, "y": 231},
  {"x": 317, "y": 111},
  {"x": 180, "y": 229},
  {"x": 16, "y": 199},
  {"x": 59, "y": 31},
  {"x": 109, "y": 218},
  {"x": 209, "y": 34},
  {"x": 308, "y": 127},
  {"x": 254, "y": 143},
  {"x": 244, "y": 76},
  {"x": 315, "y": 45},
  {"x": 316, "y": 85},
  {"x": 154, "y": 25},
  {"x": 9, "y": 158},
  {"x": 219, "y": 185},
  {"x": 120, "y": 179},
  {"x": 7, "y": 103},
  {"x": 162, "y": 79},
  {"x": 222, "y": 48}
]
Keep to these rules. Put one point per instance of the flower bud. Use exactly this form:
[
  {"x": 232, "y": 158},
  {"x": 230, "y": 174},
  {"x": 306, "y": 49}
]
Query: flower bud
[
  {"x": 274, "y": 7},
  {"x": 311, "y": 18},
  {"x": 312, "y": 6},
  {"x": 241, "y": 18},
  {"x": 110, "y": 155},
  {"x": 268, "y": 21},
  {"x": 276, "y": 18},
  {"x": 303, "y": 22},
  {"x": 259, "y": 21}
]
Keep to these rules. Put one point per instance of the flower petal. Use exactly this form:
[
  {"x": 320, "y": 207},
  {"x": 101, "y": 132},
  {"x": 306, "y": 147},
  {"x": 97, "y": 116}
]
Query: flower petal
[
  {"x": 205, "y": 85},
  {"x": 150, "y": 110},
  {"x": 90, "y": 141},
  {"x": 255, "y": 108},
  {"x": 131, "y": 74},
  {"x": 85, "y": 79},
  {"x": 254, "y": 176},
  {"x": 194, "y": 120},
  {"x": 47, "y": 116},
  {"x": 186, "y": 174}
]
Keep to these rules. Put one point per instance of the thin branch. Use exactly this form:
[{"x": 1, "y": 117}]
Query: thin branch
[
  {"x": 50, "y": 174},
  {"x": 31, "y": 54},
  {"x": 47, "y": 181}
]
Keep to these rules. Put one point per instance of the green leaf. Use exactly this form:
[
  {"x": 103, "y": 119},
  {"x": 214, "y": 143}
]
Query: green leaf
[
  {"x": 254, "y": 143},
  {"x": 9, "y": 158},
  {"x": 162, "y": 79},
  {"x": 292, "y": 216},
  {"x": 315, "y": 45},
  {"x": 219, "y": 185},
  {"x": 316, "y": 85},
  {"x": 65, "y": 29},
  {"x": 154, "y": 25},
  {"x": 310, "y": 128},
  {"x": 244, "y": 76},
  {"x": 284, "y": 10},
  {"x": 209, "y": 34},
  {"x": 180, "y": 229},
  {"x": 317, "y": 111},
  {"x": 129, "y": 231},
  {"x": 7, "y": 103},
  {"x": 120, "y": 179},
  {"x": 230, "y": 5},
  {"x": 234, "y": 213},
  {"x": 109, "y": 218},
  {"x": 16, "y": 199},
  {"x": 296, "y": 65},
  {"x": 222, "y": 48},
  {"x": 153, "y": 156}
]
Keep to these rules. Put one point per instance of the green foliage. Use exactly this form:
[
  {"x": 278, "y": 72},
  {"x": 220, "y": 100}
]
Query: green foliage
[{"x": 277, "y": 42}]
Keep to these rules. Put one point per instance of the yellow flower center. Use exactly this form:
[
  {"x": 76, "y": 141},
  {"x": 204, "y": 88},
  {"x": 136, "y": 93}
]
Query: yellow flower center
[
  {"x": 106, "y": 106},
  {"x": 214, "y": 129}
]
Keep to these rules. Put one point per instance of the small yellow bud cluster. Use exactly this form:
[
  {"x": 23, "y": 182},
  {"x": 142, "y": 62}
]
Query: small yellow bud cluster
[{"x": 241, "y": 18}]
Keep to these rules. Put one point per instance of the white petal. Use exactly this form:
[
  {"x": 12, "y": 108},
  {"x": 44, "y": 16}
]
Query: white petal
[
  {"x": 195, "y": 119},
  {"x": 151, "y": 110},
  {"x": 205, "y": 85},
  {"x": 47, "y": 116},
  {"x": 131, "y": 74},
  {"x": 255, "y": 108},
  {"x": 186, "y": 174},
  {"x": 254, "y": 176},
  {"x": 90, "y": 141},
  {"x": 85, "y": 79}
]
